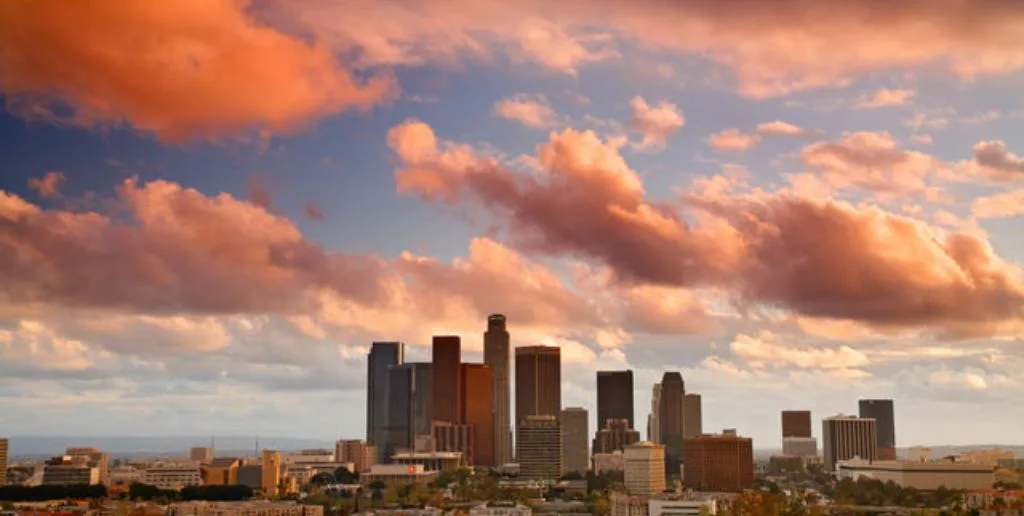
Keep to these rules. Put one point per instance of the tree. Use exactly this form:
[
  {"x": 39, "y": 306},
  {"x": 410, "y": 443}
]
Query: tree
[
  {"x": 343, "y": 476},
  {"x": 443, "y": 480},
  {"x": 377, "y": 487},
  {"x": 322, "y": 479}
]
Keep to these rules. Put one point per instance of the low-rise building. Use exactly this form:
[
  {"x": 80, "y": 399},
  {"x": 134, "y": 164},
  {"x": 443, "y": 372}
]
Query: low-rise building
[
  {"x": 614, "y": 461},
  {"x": 245, "y": 508},
  {"x": 681, "y": 506},
  {"x": 173, "y": 477},
  {"x": 501, "y": 508},
  {"x": 397, "y": 474},
  {"x": 926, "y": 476},
  {"x": 431, "y": 461},
  {"x": 69, "y": 470}
]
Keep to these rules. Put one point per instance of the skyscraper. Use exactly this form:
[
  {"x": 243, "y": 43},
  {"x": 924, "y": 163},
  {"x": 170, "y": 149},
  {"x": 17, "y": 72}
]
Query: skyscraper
[
  {"x": 796, "y": 423},
  {"x": 846, "y": 437},
  {"x": 539, "y": 448},
  {"x": 653, "y": 423},
  {"x": 614, "y": 396},
  {"x": 477, "y": 411},
  {"x": 3, "y": 461},
  {"x": 446, "y": 354},
  {"x": 882, "y": 412},
  {"x": 693, "y": 416},
  {"x": 723, "y": 462},
  {"x": 575, "y": 458},
  {"x": 670, "y": 418},
  {"x": 615, "y": 436},
  {"x": 498, "y": 355},
  {"x": 644, "y": 468},
  {"x": 538, "y": 382},
  {"x": 382, "y": 356},
  {"x": 409, "y": 405}
]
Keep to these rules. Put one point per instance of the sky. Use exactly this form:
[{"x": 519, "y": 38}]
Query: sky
[{"x": 210, "y": 208}]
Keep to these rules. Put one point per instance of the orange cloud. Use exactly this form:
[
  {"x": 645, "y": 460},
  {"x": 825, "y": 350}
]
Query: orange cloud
[
  {"x": 655, "y": 123},
  {"x": 732, "y": 140},
  {"x": 1003, "y": 205},
  {"x": 180, "y": 70},
  {"x": 884, "y": 97},
  {"x": 531, "y": 111},
  {"x": 48, "y": 185},
  {"x": 816, "y": 257},
  {"x": 780, "y": 128},
  {"x": 872, "y": 161}
]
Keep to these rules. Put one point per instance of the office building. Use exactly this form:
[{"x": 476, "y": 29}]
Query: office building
[
  {"x": 720, "y": 463},
  {"x": 4, "y": 443},
  {"x": 539, "y": 448},
  {"x": 800, "y": 446},
  {"x": 608, "y": 462},
  {"x": 498, "y": 355},
  {"x": 670, "y": 420},
  {"x": 614, "y": 396},
  {"x": 538, "y": 382},
  {"x": 645, "y": 468},
  {"x": 455, "y": 437},
  {"x": 448, "y": 462},
  {"x": 409, "y": 405},
  {"x": 693, "y": 416},
  {"x": 382, "y": 356},
  {"x": 356, "y": 452},
  {"x": 882, "y": 412},
  {"x": 93, "y": 457},
  {"x": 251, "y": 476},
  {"x": 575, "y": 456},
  {"x": 653, "y": 423},
  {"x": 172, "y": 477},
  {"x": 397, "y": 475},
  {"x": 848, "y": 437},
  {"x": 477, "y": 411},
  {"x": 271, "y": 473},
  {"x": 615, "y": 436},
  {"x": 221, "y": 471},
  {"x": 796, "y": 423},
  {"x": 928, "y": 476},
  {"x": 446, "y": 357},
  {"x": 66, "y": 470},
  {"x": 246, "y": 508},
  {"x": 203, "y": 454}
]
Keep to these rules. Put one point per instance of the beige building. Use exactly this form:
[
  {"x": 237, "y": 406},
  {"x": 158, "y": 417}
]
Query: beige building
[
  {"x": 3, "y": 461},
  {"x": 271, "y": 473},
  {"x": 925, "y": 476},
  {"x": 990, "y": 457},
  {"x": 359, "y": 453},
  {"x": 173, "y": 477},
  {"x": 221, "y": 472},
  {"x": 848, "y": 437},
  {"x": 203, "y": 454},
  {"x": 800, "y": 446},
  {"x": 575, "y": 449},
  {"x": 622, "y": 504},
  {"x": 67, "y": 470},
  {"x": 609, "y": 461},
  {"x": 431, "y": 461},
  {"x": 247, "y": 508},
  {"x": 645, "y": 468},
  {"x": 539, "y": 448},
  {"x": 397, "y": 474},
  {"x": 94, "y": 457}
]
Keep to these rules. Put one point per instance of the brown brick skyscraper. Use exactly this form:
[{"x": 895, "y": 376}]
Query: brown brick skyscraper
[
  {"x": 538, "y": 382},
  {"x": 478, "y": 411},
  {"x": 446, "y": 359},
  {"x": 718, "y": 463},
  {"x": 796, "y": 423}
]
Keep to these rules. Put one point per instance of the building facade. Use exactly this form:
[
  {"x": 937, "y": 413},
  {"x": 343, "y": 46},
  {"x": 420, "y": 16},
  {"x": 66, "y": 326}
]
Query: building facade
[
  {"x": 409, "y": 405},
  {"x": 478, "y": 411},
  {"x": 693, "y": 416},
  {"x": 644, "y": 468},
  {"x": 615, "y": 436},
  {"x": 271, "y": 475},
  {"x": 848, "y": 437},
  {"x": 926, "y": 476},
  {"x": 653, "y": 423},
  {"x": 446, "y": 357},
  {"x": 382, "y": 356},
  {"x": 202, "y": 454},
  {"x": 538, "y": 382},
  {"x": 93, "y": 457},
  {"x": 360, "y": 454},
  {"x": 397, "y": 475},
  {"x": 498, "y": 355},
  {"x": 4, "y": 447},
  {"x": 539, "y": 448},
  {"x": 800, "y": 446},
  {"x": 796, "y": 423},
  {"x": 575, "y": 455},
  {"x": 670, "y": 420},
  {"x": 614, "y": 396},
  {"x": 719, "y": 463},
  {"x": 881, "y": 411},
  {"x": 455, "y": 437},
  {"x": 172, "y": 477}
]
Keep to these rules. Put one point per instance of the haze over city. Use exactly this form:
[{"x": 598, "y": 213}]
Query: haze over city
[{"x": 209, "y": 210}]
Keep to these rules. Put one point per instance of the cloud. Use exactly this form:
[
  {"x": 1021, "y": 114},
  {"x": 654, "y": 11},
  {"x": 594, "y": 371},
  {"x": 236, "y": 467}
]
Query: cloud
[
  {"x": 655, "y": 123},
  {"x": 884, "y": 97},
  {"x": 732, "y": 140},
  {"x": 531, "y": 111},
  {"x": 180, "y": 70},
  {"x": 923, "y": 139},
  {"x": 312, "y": 211},
  {"x": 771, "y": 49},
  {"x": 780, "y": 128},
  {"x": 871, "y": 161},
  {"x": 1003, "y": 205},
  {"x": 993, "y": 160},
  {"x": 816, "y": 257},
  {"x": 765, "y": 350},
  {"x": 49, "y": 185}
]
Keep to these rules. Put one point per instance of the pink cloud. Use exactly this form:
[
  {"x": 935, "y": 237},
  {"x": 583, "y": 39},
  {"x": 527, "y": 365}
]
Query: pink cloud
[
  {"x": 180, "y": 70},
  {"x": 732, "y": 140},
  {"x": 816, "y": 257},
  {"x": 1002, "y": 205},
  {"x": 871, "y": 161},
  {"x": 531, "y": 111},
  {"x": 780, "y": 128},
  {"x": 655, "y": 123},
  {"x": 995, "y": 161},
  {"x": 884, "y": 97},
  {"x": 49, "y": 185}
]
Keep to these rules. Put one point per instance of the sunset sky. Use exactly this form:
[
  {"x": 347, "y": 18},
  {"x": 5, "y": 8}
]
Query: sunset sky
[{"x": 210, "y": 208}]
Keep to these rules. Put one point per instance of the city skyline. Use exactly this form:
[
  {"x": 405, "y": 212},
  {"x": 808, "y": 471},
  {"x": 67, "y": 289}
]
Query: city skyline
[{"x": 207, "y": 221}]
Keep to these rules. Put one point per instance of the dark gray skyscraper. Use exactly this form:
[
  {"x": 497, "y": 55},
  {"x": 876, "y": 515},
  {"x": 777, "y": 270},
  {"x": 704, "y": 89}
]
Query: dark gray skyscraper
[
  {"x": 670, "y": 418},
  {"x": 382, "y": 356},
  {"x": 409, "y": 404},
  {"x": 498, "y": 355},
  {"x": 614, "y": 396},
  {"x": 882, "y": 412},
  {"x": 538, "y": 383}
]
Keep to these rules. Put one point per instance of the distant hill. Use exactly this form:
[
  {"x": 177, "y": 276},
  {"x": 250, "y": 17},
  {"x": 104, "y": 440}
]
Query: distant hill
[{"x": 177, "y": 446}]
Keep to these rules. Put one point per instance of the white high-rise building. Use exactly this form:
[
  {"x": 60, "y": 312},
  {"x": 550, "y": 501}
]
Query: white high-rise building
[
  {"x": 645, "y": 468},
  {"x": 653, "y": 423}
]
